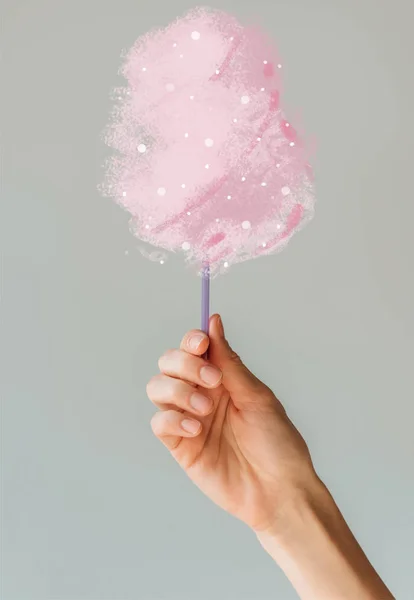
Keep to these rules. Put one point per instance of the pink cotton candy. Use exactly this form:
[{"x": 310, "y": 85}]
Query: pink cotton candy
[{"x": 207, "y": 162}]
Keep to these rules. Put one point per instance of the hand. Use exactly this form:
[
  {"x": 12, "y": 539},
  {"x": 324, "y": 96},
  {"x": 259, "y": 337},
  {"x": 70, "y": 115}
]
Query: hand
[
  {"x": 235, "y": 441},
  {"x": 227, "y": 430}
]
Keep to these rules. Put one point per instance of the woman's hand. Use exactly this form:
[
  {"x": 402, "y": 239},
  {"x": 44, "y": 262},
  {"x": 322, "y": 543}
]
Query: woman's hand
[
  {"x": 227, "y": 430},
  {"x": 233, "y": 438}
]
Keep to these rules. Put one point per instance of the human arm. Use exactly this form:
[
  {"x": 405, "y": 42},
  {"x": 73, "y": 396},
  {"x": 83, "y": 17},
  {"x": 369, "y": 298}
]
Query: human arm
[
  {"x": 312, "y": 543},
  {"x": 234, "y": 439}
]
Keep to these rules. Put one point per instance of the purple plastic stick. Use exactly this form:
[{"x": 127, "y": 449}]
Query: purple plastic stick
[
  {"x": 205, "y": 298},
  {"x": 205, "y": 301}
]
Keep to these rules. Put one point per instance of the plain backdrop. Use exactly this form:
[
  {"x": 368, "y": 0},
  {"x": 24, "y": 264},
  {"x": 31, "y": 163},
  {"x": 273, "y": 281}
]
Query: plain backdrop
[{"x": 93, "y": 506}]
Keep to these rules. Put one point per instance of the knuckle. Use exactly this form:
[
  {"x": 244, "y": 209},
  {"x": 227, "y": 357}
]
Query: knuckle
[
  {"x": 171, "y": 390},
  {"x": 231, "y": 354},
  {"x": 156, "y": 425},
  {"x": 150, "y": 386},
  {"x": 268, "y": 401},
  {"x": 164, "y": 358},
  {"x": 234, "y": 357},
  {"x": 181, "y": 360},
  {"x": 270, "y": 398}
]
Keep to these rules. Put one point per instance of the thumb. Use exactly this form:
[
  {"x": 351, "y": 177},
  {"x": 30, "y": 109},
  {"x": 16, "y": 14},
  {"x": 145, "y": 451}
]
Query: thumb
[{"x": 246, "y": 390}]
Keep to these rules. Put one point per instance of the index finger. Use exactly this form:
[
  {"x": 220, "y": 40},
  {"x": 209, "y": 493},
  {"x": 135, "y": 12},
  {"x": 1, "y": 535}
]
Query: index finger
[{"x": 195, "y": 342}]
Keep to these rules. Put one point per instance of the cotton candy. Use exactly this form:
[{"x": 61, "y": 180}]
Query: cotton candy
[{"x": 206, "y": 162}]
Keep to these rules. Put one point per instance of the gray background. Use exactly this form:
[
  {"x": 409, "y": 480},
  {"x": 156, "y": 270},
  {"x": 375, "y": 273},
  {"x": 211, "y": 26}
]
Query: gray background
[{"x": 93, "y": 506}]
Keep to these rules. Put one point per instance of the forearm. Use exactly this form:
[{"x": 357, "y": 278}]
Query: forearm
[{"x": 318, "y": 553}]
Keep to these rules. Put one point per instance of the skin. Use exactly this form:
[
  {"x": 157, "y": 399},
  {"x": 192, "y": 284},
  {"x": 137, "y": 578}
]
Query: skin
[{"x": 233, "y": 438}]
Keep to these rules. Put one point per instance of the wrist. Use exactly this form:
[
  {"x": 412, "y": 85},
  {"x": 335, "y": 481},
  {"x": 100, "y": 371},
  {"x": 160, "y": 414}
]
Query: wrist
[
  {"x": 299, "y": 507},
  {"x": 315, "y": 548}
]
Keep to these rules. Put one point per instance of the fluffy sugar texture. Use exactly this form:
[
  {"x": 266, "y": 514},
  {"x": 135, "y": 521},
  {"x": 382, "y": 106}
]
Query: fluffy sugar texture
[{"x": 206, "y": 162}]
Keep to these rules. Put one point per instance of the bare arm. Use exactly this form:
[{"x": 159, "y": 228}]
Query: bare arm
[
  {"x": 319, "y": 554},
  {"x": 233, "y": 438}
]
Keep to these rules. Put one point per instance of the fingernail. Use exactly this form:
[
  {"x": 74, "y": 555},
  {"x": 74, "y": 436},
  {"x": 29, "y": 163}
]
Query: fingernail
[
  {"x": 190, "y": 425},
  {"x": 195, "y": 341},
  {"x": 201, "y": 403},
  {"x": 210, "y": 375}
]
